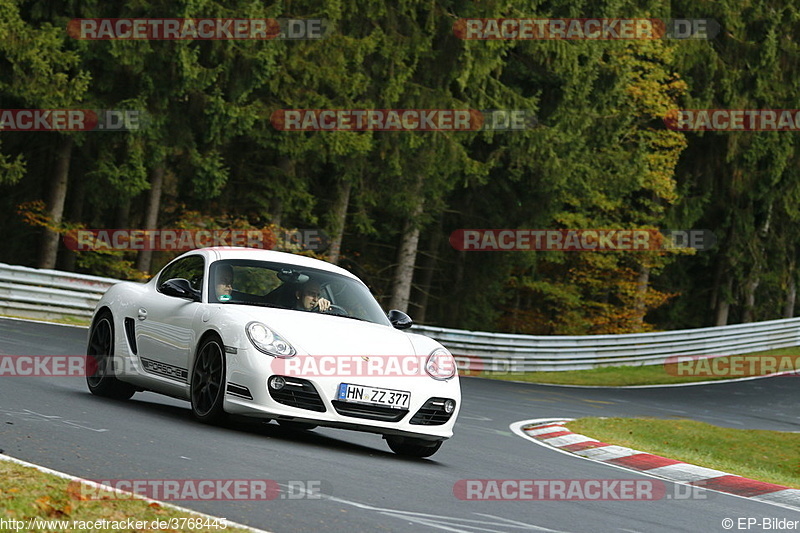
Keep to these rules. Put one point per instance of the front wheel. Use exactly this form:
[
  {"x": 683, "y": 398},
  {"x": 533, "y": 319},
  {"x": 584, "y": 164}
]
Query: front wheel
[
  {"x": 412, "y": 447},
  {"x": 208, "y": 382},
  {"x": 102, "y": 381}
]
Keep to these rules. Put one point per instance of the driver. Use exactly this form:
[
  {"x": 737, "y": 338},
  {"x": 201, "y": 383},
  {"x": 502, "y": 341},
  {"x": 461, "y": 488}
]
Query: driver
[
  {"x": 309, "y": 300},
  {"x": 224, "y": 282}
]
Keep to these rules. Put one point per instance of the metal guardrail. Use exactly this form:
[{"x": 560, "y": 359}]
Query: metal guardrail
[
  {"x": 502, "y": 352},
  {"x": 50, "y": 294},
  {"x": 35, "y": 293}
]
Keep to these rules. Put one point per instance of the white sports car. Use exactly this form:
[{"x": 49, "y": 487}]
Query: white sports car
[{"x": 276, "y": 336}]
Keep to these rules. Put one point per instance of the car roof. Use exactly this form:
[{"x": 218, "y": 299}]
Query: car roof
[{"x": 257, "y": 254}]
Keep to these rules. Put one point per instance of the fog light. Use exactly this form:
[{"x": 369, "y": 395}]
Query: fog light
[
  {"x": 277, "y": 382},
  {"x": 449, "y": 406}
]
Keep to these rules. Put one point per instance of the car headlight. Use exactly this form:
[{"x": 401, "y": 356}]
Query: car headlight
[
  {"x": 267, "y": 341},
  {"x": 441, "y": 364}
]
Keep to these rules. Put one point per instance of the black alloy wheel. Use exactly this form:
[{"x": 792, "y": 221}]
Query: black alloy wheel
[{"x": 208, "y": 381}]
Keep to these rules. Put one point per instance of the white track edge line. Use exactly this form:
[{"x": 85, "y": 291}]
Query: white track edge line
[{"x": 44, "y": 469}]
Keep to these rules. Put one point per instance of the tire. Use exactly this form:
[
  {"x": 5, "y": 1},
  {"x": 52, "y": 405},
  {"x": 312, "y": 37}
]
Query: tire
[
  {"x": 208, "y": 382},
  {"x": 103, "y": 382},
  {"x": 296, "y": 426},
  {"x": 411, "y": 447}
]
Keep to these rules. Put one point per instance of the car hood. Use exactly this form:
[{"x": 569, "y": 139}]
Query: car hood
[{"x": 319, "y": 334}]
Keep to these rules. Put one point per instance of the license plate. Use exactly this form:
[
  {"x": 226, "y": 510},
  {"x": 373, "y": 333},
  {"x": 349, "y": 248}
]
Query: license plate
[{"x": 397, "y": 399}]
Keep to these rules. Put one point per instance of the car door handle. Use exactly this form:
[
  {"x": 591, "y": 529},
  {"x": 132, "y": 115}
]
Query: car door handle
[{"x": 142, "y": 313}]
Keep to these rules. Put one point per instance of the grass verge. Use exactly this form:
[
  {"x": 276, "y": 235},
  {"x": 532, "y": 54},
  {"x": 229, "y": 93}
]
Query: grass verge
[
  {"x": 770, "y": 456},
  {"x": 26, "y": 494},
  {"x": 729, "y": 367},
  {"x": 60, "y": 319}
]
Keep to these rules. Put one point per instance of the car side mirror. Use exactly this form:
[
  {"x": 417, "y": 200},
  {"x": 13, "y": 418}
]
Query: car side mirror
[
  {"x": 180, "y": 288},
  {"x": 399, "y": 319}
]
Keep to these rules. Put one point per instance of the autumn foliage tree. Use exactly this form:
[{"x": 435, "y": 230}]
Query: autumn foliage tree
[{"x": 600, "y": 155}]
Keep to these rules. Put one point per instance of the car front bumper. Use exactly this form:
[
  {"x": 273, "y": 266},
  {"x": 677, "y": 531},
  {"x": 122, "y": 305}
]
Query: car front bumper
[{"x": 313, "y": 399}]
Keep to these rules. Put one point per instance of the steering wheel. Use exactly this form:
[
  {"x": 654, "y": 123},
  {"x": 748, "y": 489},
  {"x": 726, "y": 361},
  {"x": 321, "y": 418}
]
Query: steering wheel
[{"x": 337, "y": 310}]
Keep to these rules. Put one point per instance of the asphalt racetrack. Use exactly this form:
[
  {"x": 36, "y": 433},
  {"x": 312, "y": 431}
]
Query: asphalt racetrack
[{"x": 55, "y": 422}]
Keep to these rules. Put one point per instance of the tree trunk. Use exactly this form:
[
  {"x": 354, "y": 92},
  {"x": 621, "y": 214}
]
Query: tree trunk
[
  {"x": 450, "y": 310},
  {"x": 287, "y": 168},
  {"x": 754, "y": 279},
  {"x": 406, "y": 257},
  {"x": 515, "y": 313},
  {"x": 723, "y": 304},
  {"x": 640, "y": 306},
  {"x": 123, "y": 215},
  {"x": 428, "y": 269},
  {"x": 716, "y": 286},
  {"x": 750, "y": 298},
  {"x": 55, "y": 205},
  {"x": 77, "y": 199},
  {"x": 719, "y": 290},
  {"x": 145, "y": 257},
  {"x": 791, "y": 296},
  {"x": 338, "y": 220},
  {"x": 276, "y": 211}
]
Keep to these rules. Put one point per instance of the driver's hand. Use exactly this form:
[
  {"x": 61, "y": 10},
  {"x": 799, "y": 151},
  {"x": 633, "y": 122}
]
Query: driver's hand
[{"x": 323, "y": 305}]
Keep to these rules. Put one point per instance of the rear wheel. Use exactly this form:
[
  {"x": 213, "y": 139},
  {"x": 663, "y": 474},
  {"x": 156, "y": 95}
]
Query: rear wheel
[
  {"x": 412, "y": 447},
  {"x": 208, "y": 381},
  {"x": 100, "y": 355}
]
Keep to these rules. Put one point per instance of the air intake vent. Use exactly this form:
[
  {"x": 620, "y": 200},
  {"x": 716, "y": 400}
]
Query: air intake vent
[
  {"x": 370, "y": 412},
  {"x": 130, "y": 333},
  {"x": 298, "y": 393},
  {"x": 432, "y": 413}
]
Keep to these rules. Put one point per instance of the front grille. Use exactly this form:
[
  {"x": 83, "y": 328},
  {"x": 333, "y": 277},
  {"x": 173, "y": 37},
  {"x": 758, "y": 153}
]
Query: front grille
[
  {"x": 432, "y": 413},
  {"x": 370, "y": 412},
  {"x": 298, "y": 393}
]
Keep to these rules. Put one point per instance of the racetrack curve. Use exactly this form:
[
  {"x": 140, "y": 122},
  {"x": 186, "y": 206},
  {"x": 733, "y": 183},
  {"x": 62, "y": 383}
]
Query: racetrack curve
[{"x": 55, "y": 422}]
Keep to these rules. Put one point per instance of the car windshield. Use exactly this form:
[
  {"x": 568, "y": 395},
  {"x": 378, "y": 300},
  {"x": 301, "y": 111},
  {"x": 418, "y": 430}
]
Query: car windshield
[{"x": 287, "y": 286}]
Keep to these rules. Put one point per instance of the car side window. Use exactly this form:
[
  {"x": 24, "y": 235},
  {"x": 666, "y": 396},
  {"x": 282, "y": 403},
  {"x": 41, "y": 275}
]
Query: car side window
[{"x": 189, "y": 268}]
